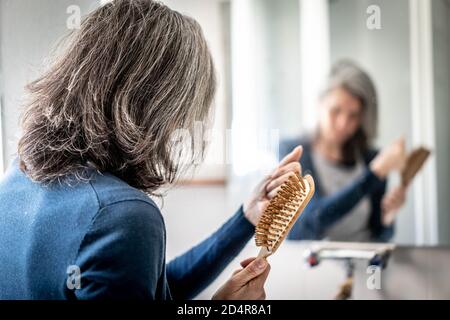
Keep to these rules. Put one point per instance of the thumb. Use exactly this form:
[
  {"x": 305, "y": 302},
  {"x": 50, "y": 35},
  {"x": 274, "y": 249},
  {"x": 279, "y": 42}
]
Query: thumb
[
  {"x": 294, "y": 156},
  {"x": 251, "y": 271},
  {"x": 247, "y": 261},
  {"x": 298, "y": 151}
]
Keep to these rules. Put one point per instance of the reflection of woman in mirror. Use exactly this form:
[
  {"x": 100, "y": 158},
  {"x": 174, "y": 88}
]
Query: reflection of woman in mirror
[{"x": 351, "y": 203}]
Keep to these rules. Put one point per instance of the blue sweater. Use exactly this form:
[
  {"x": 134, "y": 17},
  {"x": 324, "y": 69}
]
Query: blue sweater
[
  {"x": 113, "y": 234},
  {"x": 325, "y": 210}
]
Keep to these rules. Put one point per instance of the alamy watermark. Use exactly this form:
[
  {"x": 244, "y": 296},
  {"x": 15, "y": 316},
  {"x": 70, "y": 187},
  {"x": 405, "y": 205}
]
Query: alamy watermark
[
  {"x": 373, "y": 21},
  {"x": 237, "y": 146},
  {"x": 374, "y": 280},
  {"x": 73, "y": 277},
  {"x": 73, "y": 21}
]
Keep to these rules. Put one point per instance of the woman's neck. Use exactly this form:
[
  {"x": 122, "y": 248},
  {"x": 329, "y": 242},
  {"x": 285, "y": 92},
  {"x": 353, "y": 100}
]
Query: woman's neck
[{"x": 330, "y": 151}]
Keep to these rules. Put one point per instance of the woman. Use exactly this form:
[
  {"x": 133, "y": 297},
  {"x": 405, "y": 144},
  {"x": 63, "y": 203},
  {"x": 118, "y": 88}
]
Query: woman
[
  {"x": 350, "y": 203},
  {"x": 76, "y": 220}
]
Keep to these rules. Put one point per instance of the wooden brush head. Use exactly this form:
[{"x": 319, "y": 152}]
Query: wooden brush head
[
  {"x": 414, "y": 163},
  {"x": 282, "y": 212}
]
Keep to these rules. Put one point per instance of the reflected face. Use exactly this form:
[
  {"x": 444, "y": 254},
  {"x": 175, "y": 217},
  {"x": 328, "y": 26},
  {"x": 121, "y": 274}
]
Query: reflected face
[{"x": 340, "y": 116}]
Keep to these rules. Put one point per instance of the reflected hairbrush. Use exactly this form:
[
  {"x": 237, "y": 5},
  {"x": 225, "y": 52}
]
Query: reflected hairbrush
[
  {"x": 414, "y": 163},
  {"x": 282, "y": 212}
]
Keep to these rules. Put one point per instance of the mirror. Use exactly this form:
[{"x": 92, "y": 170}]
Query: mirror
[
  {"x": 272, "y": 60},
  {"x": 284, "y": 51}
]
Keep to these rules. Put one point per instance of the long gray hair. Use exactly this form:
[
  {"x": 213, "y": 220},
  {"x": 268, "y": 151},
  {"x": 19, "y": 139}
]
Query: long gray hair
[
  {"x": 349, "y": 76},
  {"x": 133, "y": 74}
]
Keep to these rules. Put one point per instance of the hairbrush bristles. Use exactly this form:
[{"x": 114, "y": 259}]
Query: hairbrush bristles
[{"x": 282, "y": 212}]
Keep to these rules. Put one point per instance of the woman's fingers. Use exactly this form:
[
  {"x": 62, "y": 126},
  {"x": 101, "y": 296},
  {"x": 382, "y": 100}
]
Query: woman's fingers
[
  {"x": 278, "y": 182},
  {"x": 290, "y": 167},
  {"x": 259, "y": 281},
  {"x": 247, "y": 283},
  {"x": 391, "y": 203},
  {"x": 387, "y": 205},
  {"x": 395, "y": 199},
  {"x": 273, "y": 193},
  {"x": 294, "y": 156},
  {"x": 247, "y": 261},
  {"x": 397, "y": 202},
  {"x": 262, "y": 296},
  {"x": 254, "y": 206},
  {"x": 236, "y": 272},
  {"x": 244, "y": 264},
  {"x": 252, "y": 271}
]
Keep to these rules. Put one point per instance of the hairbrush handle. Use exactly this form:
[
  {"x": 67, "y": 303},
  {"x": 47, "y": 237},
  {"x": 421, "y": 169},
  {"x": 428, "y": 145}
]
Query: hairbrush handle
[{"x": 264, "y": 253}]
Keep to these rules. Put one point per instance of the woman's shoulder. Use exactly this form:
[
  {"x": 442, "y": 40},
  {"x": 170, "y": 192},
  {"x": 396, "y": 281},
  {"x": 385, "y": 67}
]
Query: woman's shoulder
[
  {"x": 110, "y": 189},
  {"x": 123, "y": 205},
  {"x": 125, "y": 214}
]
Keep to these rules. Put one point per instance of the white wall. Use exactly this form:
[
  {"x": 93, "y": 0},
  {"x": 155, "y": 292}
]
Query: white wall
[
  {"x": 281, "y": 29},
  {"x": 212, "y": 16},
  {"x": 29, "y": 30}
]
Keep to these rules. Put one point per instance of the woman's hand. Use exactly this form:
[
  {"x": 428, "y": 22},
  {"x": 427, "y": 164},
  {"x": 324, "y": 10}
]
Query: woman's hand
[
  {"x": 391, "y": 203},
  {"x": 391, "y": 158},
  {"x": 246, "y": 283},
  {"x": 268, "y": 187}
]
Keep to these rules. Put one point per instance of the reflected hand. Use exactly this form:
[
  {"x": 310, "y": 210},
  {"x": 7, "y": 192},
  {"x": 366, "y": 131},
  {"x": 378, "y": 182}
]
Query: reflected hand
[
  {"x": 391, "y": 158},
  {"x": 391, "y": 203}
]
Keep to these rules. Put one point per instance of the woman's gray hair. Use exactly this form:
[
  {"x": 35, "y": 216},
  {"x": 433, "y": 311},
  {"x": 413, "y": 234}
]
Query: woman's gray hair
[
  {"x": 348, "y": 75},
  {"x": 133, "y": 74}
]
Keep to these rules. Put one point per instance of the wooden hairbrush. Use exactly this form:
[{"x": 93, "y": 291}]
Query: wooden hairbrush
[
  {"x": 414, "y": 163},
  {"x": 282, "y": 212}
]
